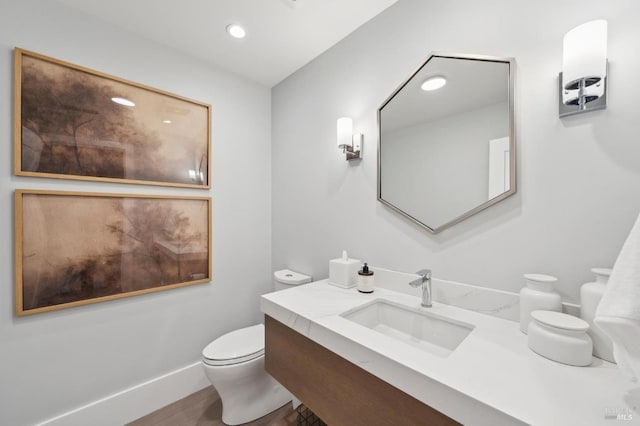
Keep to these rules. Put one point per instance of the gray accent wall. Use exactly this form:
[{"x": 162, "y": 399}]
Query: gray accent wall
[
  {"x": 53, "y": 362},
  {"x": 578, "y": 177}
]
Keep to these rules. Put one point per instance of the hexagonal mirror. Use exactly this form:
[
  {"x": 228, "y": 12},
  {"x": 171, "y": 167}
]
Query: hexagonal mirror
[{"x": 446, "y": 142}]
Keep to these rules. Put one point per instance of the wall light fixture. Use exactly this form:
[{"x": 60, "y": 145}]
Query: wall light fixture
[
  {"x": 350, "y": 143},
  {"x": 583, "y": 80}
]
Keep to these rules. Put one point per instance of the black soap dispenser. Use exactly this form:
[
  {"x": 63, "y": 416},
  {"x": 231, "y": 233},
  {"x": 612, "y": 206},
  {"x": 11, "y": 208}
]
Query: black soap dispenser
[{"x": 365, "y": 280}]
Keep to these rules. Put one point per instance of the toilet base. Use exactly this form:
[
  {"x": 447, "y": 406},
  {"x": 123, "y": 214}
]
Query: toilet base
[{"x": 246, "y": 390}]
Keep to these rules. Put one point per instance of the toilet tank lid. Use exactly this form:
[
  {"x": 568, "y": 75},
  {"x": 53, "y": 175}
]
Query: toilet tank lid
[
  {"x": 236, "y": 344},
  {"x": 286, "y": 276}
]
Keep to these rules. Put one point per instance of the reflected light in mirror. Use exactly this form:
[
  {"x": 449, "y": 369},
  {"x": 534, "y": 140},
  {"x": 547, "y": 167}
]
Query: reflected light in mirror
[
  {"x": 433, "y": 83},
  {"x": 123, "y": 101},
  {"x": 236, "y": 31}
]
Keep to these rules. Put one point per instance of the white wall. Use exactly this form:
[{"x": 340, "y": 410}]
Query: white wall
[
  {"x": 578, "y": 177},
  {"x": 57, "y": 361}
]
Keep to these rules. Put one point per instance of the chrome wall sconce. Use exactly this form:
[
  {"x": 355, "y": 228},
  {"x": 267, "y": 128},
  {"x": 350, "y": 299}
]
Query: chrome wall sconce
[
  {"x": 350, "y": 143},
  {"x": 583, "y": 80}
]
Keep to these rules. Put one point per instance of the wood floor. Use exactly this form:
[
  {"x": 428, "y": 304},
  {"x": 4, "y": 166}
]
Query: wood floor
[{"x": 204, "y": 408}]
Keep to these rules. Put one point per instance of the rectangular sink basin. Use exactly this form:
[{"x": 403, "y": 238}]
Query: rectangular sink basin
[{"x": 416, "y": 327}]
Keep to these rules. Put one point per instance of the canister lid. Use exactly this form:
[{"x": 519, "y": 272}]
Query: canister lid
[
  {"x": 606, "y": 272},
  {"x": 540, "y": 278},
  {"x": 285, "y": 276},
  {"x": 560, "y": 320}
]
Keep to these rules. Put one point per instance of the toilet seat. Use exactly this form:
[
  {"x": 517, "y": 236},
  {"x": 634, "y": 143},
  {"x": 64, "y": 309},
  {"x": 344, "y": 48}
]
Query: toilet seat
[{"x": 236, "y": 347}]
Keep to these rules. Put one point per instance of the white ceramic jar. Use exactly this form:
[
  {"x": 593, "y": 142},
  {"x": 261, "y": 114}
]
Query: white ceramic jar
[
  {"x": 560, "y": 337},
  {"x": 538, "y": 294},
  {"x": 590, "y": 296}
]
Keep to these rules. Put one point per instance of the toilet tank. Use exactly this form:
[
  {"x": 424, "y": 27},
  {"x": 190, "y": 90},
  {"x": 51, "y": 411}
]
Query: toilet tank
[{"x": 285, "y": 279}]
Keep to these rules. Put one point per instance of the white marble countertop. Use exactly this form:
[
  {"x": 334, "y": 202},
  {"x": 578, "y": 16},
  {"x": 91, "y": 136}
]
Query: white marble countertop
[{"x": 491, "y": 379}]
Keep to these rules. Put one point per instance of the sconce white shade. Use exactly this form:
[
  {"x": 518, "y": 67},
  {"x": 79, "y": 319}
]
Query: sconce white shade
[
  {"x": 345, "y": 132},
  {"x": 584, "y": 54}
]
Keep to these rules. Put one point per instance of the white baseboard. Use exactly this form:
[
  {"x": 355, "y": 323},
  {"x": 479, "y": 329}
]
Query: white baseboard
[{"x": 137, "y": 401}]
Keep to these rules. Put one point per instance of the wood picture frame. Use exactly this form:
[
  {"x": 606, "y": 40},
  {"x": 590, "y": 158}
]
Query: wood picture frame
[
  {"x": 73, "y": 122},
  {"x": 75, "y": 248}
]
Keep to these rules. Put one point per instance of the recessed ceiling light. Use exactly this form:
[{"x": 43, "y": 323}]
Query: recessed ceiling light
[
  {"x": 236, "y": 31},
  {"x": 166, "y": 121},
  {"x": 123, "y": 101},
  {"x": 433, "y": 83}
]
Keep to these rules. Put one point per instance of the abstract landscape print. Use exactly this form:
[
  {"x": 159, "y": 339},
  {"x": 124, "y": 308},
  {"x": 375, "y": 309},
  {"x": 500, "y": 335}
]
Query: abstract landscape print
[
  {"x": 75, "y": 123},
  {"x": 79, "y": 248}
]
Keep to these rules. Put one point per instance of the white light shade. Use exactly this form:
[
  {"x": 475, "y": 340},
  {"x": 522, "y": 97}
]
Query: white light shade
[
  {"x": 585, "y": 52},
  {"x": 345, "y": 132}
]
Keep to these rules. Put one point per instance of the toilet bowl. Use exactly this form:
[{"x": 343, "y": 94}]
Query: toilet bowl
[{"x": 234, "y": 364}]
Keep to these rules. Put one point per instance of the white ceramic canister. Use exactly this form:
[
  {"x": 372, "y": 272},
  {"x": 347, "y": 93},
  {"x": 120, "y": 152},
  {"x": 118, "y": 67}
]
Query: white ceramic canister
[
  {"x": 560, "y": 337},
  {"x": 538, "y": 294},
  {"x": 590, "y": 296}
]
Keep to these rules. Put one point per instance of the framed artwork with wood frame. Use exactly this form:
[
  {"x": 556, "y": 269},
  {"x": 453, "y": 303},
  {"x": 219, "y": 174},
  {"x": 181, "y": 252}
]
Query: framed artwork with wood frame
[
  {"x": 75, "y": 248},
  {"x": 72, "y": 122}
]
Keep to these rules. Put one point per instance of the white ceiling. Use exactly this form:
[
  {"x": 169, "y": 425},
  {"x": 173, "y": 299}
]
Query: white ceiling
[{"x": 282, "y": 35}]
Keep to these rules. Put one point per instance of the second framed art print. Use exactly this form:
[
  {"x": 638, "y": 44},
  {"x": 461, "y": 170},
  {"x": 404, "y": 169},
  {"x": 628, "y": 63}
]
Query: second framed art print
[{"x": 74, "y": 248}]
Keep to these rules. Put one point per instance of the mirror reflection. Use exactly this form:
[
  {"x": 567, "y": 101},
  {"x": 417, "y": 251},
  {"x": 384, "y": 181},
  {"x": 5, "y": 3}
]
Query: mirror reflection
[{"x": 446, "y": 140}]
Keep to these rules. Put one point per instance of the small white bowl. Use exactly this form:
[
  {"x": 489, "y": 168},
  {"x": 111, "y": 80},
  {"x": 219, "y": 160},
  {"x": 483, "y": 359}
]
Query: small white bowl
[{"x": 560, "y": 337}]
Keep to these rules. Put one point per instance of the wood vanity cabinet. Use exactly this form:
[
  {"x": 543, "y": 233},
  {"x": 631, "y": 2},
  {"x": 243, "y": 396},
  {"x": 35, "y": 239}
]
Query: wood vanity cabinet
[{"x": 336, "y": 390}]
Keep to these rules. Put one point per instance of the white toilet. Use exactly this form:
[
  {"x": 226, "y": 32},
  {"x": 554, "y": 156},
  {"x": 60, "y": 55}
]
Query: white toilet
[{"x": 234, "y": 363}]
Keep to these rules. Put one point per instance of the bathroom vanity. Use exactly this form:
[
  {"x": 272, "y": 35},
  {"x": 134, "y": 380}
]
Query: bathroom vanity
[
  {"x": 337, "y": 390},
  {"x": 347, "y": 356}
]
